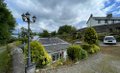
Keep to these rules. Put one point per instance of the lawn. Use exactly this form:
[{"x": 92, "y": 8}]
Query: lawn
[{"x": 5, "y": 60}]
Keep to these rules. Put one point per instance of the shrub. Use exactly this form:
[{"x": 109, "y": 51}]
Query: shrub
[
  {"x": 91, "y": 36},
  {"x": 83, "y": 54},
  {"x": 39, "y": 54},
  {"x": 94, "y": 48},
  {"x": 75, "y": 53},
  {"x": 58, "y": 63},
  {"x": 91, "y": 48}
]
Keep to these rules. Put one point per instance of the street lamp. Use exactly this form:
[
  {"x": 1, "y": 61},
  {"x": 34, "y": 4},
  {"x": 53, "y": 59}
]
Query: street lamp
[{"x": 26, "y": 18}]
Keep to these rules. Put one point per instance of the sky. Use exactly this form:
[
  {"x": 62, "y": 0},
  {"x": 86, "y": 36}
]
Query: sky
[{"x": 51, "y": 14}]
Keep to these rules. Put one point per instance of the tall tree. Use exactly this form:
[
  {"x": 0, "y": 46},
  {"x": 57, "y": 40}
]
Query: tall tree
[
  {"x": 7, "y": 23},
  {"x": 45, "y": 34},
  {"x": 53, "y": 34},
  {"x": 23, "y": 35},
  {"x": 66, "y": 29}
]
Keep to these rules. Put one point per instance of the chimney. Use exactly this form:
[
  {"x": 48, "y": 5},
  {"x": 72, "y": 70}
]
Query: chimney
[
  {"x": 109, "y": 15},
  {"x": 91, "y": 15}
]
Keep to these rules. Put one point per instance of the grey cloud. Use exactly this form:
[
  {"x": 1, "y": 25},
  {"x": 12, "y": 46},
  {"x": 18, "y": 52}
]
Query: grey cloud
[{"x": 51, "y": 13}]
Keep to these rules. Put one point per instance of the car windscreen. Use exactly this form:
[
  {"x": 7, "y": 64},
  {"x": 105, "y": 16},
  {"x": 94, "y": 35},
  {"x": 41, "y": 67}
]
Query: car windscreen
[{"x": 109, "y": 38}]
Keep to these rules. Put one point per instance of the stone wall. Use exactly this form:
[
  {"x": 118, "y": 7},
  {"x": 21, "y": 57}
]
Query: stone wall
[
  {"x": 18, "y": 60},
  {"x": 108, "y": 28}
]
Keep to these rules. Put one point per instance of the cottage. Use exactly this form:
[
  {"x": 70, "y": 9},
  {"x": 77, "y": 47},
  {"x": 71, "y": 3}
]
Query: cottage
[
  {"x": 55, "y": 47},
  {"x": 109, "y": 19}
]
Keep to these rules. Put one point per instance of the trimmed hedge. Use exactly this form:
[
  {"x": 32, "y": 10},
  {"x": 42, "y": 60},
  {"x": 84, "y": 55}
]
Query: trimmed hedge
[
  {"x": 75, "y": 53},
  {"x": 91, "y": 48},
  {"x": 91, "y": 36}
]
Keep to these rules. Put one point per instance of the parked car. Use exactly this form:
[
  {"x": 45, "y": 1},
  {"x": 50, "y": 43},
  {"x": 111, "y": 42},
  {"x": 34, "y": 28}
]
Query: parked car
[{"x": 109, "y": 40}]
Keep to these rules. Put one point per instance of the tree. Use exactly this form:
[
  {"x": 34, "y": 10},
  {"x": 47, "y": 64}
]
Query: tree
[
  {"x": 38, "y": 54},
  {"x": 53, "y": 34},
  {"x": 23, "y": 35},
  {"x": 66, "y": 29},
  {"x": 45, "y": 34},
  {"x": 91, "y": 36},
  {"x": 7, "y": 23}
]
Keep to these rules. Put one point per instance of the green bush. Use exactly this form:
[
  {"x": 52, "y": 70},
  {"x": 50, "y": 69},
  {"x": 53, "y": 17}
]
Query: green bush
[
  {"x": 91, "y": 36},
  {"x": 91, "y": 48},
  {"x": 83, "y": 54},
  {"x": 118, "y": 38},
  {"x": 75, "y": 53},
  {"x": 39, "y": 54},
  {"x": 94, "y": 48}
]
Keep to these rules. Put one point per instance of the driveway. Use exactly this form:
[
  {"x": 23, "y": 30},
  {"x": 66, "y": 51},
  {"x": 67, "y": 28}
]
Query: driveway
[
  {"x": 102, "y": 44},
  {"x": 106, "y": 61}
]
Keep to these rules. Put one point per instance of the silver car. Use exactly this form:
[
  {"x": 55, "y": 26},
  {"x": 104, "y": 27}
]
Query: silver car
[{"x": 109, "y": 40}]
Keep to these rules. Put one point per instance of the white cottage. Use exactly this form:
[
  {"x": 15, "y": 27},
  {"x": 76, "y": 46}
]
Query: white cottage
[
  {"x": 55, "y": 47},
  {"x": 109, "y": 19}
]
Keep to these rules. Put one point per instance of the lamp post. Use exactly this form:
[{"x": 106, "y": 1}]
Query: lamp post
[{"x": 26, "y": 18}]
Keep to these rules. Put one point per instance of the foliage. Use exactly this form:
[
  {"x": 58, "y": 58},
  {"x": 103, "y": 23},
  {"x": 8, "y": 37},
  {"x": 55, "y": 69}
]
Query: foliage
[
  {"x": 23, "y": 35},
  {"x": 79, "y": 35},
  {"x": 38, "y": 54},
  {"x": 75, "y": 53},
  {"x": 53, "y": 34},
  {"x": 91, "y": 48},
  {"x": 18, "y": 43},
  {"x": 5, "y": 61},
  {"x": 101, "y": 36},
  {"x": 7, "y": 23},
  {"x": 58, "y": 63},
  {"x": 45, "y": 34},
  {"x": 66, "y": 29},
  {"x": 91, "y": 36},
  {"x": 118, "y": 38},
  {"x": 94, "y": 48},
  {"x": 83, "y": 54}
]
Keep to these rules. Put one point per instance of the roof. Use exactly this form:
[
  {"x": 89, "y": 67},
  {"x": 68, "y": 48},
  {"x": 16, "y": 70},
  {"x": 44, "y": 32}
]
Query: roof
[
  {"x": 103, "y": 18},
  {"x": 54, "y": 44},
  {"x": 56, "y": 48},
  {"x": 51, "y": 41}
]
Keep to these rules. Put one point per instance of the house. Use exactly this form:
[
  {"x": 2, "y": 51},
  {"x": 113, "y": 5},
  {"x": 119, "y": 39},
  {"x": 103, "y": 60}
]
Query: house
[
  {"x": 55, "y": 47},
  {"x": 109, "y": 19}
]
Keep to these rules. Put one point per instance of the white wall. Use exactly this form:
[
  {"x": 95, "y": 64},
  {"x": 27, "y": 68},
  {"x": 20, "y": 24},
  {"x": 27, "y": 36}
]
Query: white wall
[{"x": 93, "y": 22}]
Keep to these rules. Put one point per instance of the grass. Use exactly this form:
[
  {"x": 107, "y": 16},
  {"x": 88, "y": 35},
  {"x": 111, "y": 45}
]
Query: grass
[{"x": 5, "y": 60}]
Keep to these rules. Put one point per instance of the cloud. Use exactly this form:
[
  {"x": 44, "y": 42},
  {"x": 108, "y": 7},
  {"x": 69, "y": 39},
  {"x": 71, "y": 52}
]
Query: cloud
[{"x": 54, "y": 13}]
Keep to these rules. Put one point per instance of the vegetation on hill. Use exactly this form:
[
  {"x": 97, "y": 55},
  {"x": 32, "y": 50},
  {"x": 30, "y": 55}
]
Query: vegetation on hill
[{"x": 66, "y": 29}]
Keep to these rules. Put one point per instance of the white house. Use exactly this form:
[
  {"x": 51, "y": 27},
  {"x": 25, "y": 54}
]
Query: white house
[{"x": 109, "y": 19}]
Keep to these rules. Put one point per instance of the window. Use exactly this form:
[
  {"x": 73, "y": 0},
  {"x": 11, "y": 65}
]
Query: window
[
  {"x": 98, "y": 21},
  {"x": 106, "y": 21},
  {"x": 113, "y": 21},
  {"x": 53, "y": 58}
]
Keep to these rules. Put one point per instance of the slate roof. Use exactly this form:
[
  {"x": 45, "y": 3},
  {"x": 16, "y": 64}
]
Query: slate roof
[
  {"x": 53, "y": 44},
  {"x": 104, "y": 18},
  {"x": 49, "y": 41}
]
